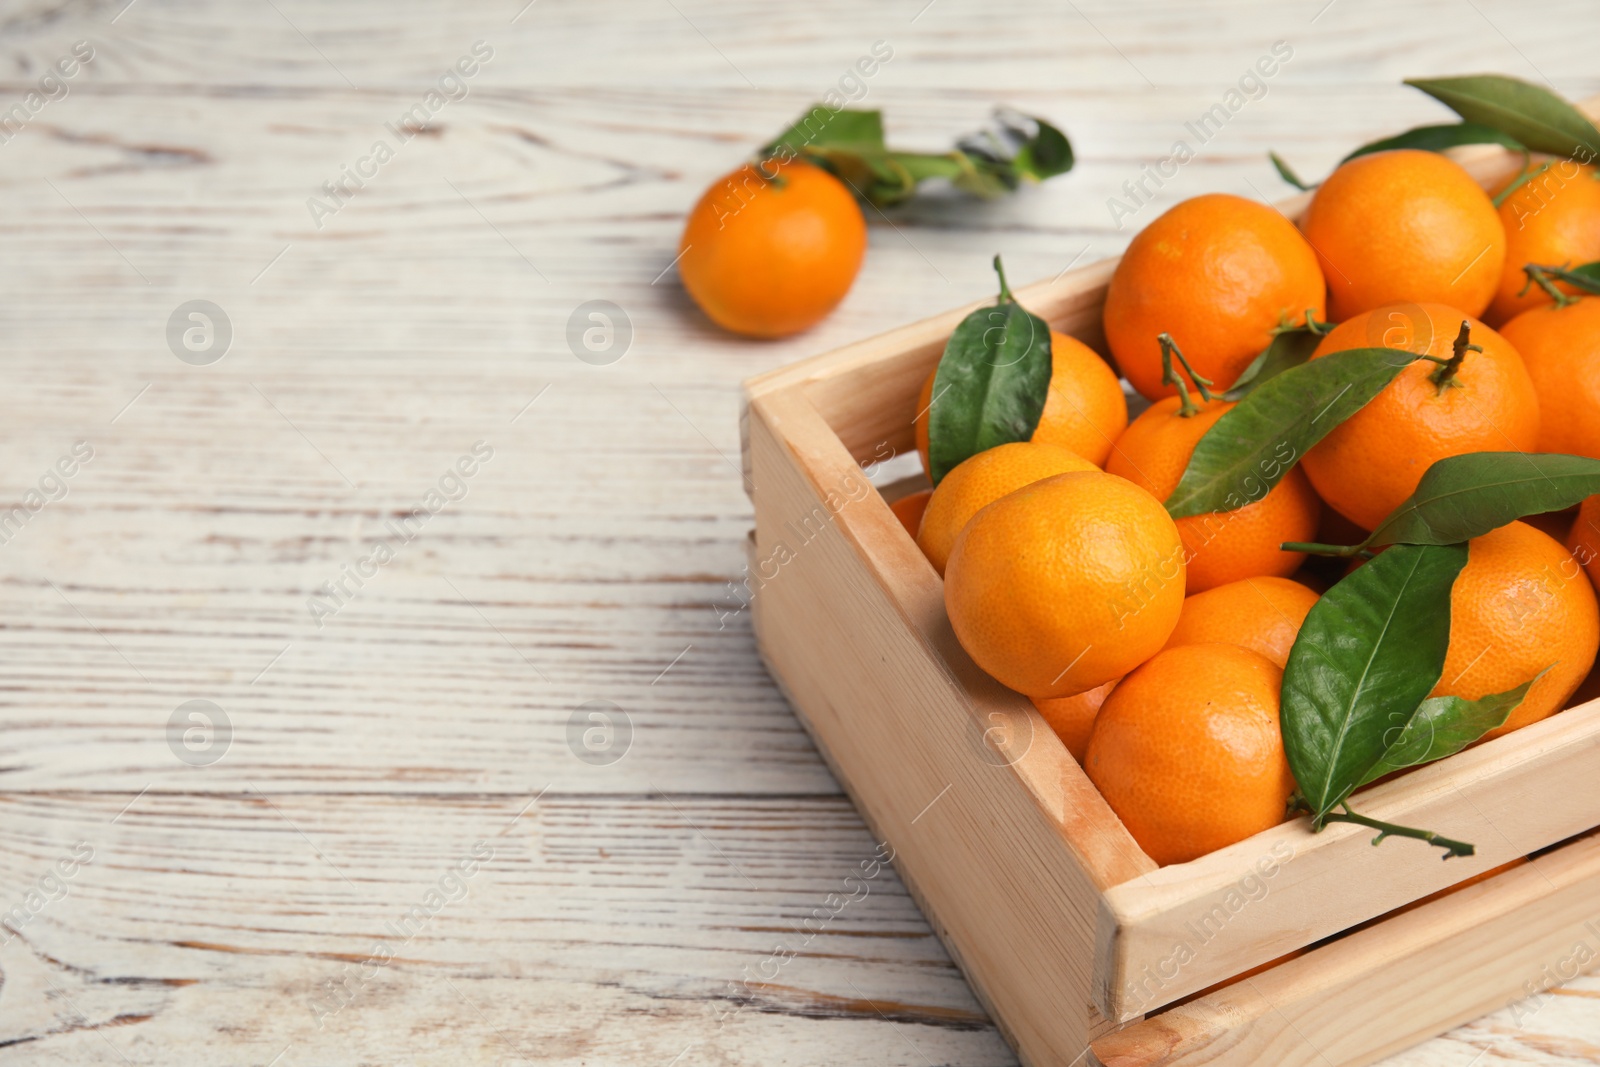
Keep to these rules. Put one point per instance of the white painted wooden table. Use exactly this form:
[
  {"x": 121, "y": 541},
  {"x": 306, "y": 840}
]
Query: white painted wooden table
[{"x": 394, "y": 854}]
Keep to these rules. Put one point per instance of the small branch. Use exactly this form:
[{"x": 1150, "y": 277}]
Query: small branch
[
  {"x": 1540, "y": 276},
  {"x": 1445, "y": 376},
  {"x": 1005, "y": 290},
  {"x": 1522, "y": 179},
  {"x": 1321, "y": 329},
  {"x": 1169, "y": 376},
  {"x": 1546, "y": 277},
  {"x": 1387, "y": 829}
]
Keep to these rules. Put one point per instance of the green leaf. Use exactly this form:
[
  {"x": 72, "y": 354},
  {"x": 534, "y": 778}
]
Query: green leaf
[
  {"x": 1044, "y": 155},
  {"x": 1585, "y": 276},
  {"x": 1462, "y": 497},
  {"x": 1289, "y": 349},
  {"x": 990, "y": 163},
  {"x": 1012, "y": 149},
  {"x": 1371, "y": 649},
  {"x": 1533, "y": 115},
  {"x": 1287, "y": 173},
  {"x": 1438, "y": 138},
  {"x": 991, "y": 383},
  {"x": 1443, "y": 726},
  {"x": 1253, "y": 446},
  {"x": 822, "y": 127}
]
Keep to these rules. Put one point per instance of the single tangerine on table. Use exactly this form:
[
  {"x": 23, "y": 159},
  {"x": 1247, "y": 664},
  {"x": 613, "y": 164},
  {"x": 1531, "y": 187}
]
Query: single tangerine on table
[
  {"x": 1404, "y": 226},
  {"x": 980, "y": 480},
  {"x": 1560, "y": 346},
  {"x": 1368, "y": 464},
  {"x": 1521, "y": 604},
  {"x": 1188, "y": 752},
  {"x": 1262, "y": 614},
  {"x": 1226, "y": 546},
  {"x": 1065, "y": 584},
  {"x": 1072, "y": 718},
  {"x": 1552, "y": 220},
  {"x": 1220, "y": 274},
  {"x": 772, "y": 247},
  {"x": 1084, "y": 410}
]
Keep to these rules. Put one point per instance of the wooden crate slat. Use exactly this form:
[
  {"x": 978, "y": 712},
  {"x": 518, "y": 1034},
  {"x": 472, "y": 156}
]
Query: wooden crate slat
[{"x": 1392, "y": 984}]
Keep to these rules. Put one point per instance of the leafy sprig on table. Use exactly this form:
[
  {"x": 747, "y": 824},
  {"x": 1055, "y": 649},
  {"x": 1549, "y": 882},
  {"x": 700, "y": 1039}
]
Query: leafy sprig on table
[{"x": 1013, "y": 149}]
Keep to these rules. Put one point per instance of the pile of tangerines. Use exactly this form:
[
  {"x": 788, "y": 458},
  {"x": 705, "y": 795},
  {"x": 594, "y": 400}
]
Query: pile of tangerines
[{"x": 1154, "y": 647}]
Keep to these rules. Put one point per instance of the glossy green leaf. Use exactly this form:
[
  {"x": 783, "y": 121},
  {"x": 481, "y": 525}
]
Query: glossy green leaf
[
  {"x": 1289, "y": 349},
  {"x": 1443, "y": 726},
  {"x": 1045, "y": 153},
  {"x": 1287, "y": 173},
  {"x": 1012, "y": 149},
  {"x": 1253, "y": 446},
  {"x": 1438, "y": 138},
  {"x": 1462, "y": 497},
  {"x": 1371, "y": 649},
  {"x": 1533, "y": 115},
  {"x": 991, "y": 383}
]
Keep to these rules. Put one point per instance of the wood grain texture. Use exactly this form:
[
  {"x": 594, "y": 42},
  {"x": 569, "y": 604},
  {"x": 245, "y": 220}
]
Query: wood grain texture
[{"x": 591, "y": 559}]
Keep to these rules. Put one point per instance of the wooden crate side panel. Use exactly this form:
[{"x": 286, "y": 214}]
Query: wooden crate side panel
[
  {"x": 1393, "y": 984},
  {"x": 1014, "y": 904},
  {"x": 1034, "y": 754},
  {"x": 1230, "y": 911}
]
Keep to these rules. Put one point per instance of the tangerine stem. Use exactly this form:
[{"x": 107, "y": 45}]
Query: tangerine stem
[
  {"x": 1521, "y": 179},
  {"x": 1005, "y": 290},
  {"x": 1169, "y": 376},
  {"x": 1321, "y": 329},
  {"x": 1388, "y": 829},
  {"x": 1444, "y": 377},
  {"x": 1540, "y": 276}
]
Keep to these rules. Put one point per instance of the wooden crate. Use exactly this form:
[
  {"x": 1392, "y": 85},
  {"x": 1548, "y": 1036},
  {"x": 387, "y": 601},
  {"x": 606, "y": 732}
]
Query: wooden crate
[{"x": 1068, "y": 932}]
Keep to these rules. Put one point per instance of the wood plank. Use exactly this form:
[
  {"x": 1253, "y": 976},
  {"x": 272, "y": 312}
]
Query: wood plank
[
  {"x": 1407, "y": 978},
  {"x": 232, "y": 929}
]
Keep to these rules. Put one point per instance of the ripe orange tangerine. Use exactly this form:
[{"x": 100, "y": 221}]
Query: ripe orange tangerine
[
  {"x": 1584, "y": 538},
  {"x": 909, "y": 508},
  {"x": 1188, "y": 752},
  {"x": 1552, "y": 220},
  {"x": 771, "y": 248},
  {"x": 1404, "y": 226},
  {"x": 1521, "y": 604},
  {"x": 1217, "y": 272},
  {"x": 1560, "y": 346},
  {"x": 1072, "y": 718},
  {"x": 1371, "y": 462},
  {"x": 980, "y": 480},
  {"x": 1065, "y": 584},
  {"x": 1262, "y": 614}
]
